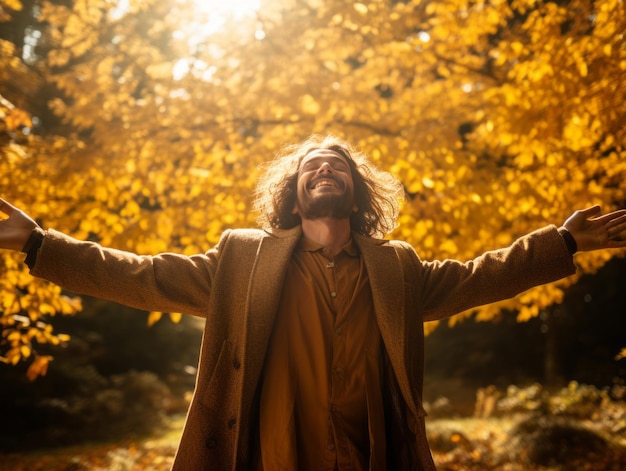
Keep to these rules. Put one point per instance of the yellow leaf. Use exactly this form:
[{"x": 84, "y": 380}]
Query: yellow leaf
[
  {"x": 514, "y": 187},
  {"x": 45, "y": 308},
  {"x": 14, "y": 5},
  {"x": 15, "y": 335},
  {"x": 517, "y": 47},
  {"x": 154, "y": 317},
  {"x": 39, "y": 367},
  {"x": 14, "y": 356},
  {"x": 25, "y": 351}
]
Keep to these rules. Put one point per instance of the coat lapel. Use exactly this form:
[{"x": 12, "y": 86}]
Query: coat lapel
[
  {"x": 387, "y": 284},
  {"x": 264, "y": 293}
]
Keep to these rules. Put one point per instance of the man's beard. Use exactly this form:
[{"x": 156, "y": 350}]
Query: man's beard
[{"x": 326, "y": 206}]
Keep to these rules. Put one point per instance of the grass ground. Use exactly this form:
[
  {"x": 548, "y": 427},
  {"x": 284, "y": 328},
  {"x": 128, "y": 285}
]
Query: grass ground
[{"x": 461, "y": 444}]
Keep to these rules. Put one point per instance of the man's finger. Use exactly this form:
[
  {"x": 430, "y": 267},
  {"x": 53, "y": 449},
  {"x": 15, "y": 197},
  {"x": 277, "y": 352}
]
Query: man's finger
[
  {"x": 590, "y": 211},
  {"x": 616, "y": 232},
  {"x": 611, "y": 220},
  {"x": 615, "y": 224},
  {"x": 6, "y": 207}
]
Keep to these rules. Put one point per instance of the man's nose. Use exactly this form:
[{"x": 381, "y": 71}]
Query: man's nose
[{"x": 325, "y": 168}]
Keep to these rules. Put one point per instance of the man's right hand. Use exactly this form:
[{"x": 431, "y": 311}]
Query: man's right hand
[{"x": 16, "y": 229}]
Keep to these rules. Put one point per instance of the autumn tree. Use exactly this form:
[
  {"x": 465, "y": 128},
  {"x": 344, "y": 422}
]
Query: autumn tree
[{"x": 497, "y": 116}]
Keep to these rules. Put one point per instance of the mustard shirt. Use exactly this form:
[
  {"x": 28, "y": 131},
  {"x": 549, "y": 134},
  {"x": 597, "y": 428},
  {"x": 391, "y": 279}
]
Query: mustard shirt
[{"x": 321, "y": 403}]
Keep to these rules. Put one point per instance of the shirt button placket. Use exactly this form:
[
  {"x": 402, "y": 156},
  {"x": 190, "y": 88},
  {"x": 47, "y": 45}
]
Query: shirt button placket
[{"x": 332, "y": 281}]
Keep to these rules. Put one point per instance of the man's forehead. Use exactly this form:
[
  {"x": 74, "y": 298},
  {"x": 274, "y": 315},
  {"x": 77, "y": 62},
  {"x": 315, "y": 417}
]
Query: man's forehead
[{"x": 323, "y": 152}]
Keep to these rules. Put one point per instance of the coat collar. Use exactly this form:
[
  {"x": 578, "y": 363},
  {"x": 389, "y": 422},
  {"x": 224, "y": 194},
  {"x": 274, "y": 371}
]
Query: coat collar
[{"x": 285, "y": 233}]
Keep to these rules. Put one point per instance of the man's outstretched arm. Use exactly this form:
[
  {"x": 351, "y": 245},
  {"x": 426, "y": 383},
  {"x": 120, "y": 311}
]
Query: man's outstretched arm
[
  {"x": 543, "y": 256},
  {"x": 166, "y": 282}
]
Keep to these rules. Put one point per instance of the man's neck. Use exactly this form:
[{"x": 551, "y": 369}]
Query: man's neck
[{"x": 330, "y": 233}]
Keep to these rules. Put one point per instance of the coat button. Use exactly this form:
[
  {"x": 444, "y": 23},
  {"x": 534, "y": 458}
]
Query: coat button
[
  {"x": 232, "y": 422},
  {"x": 236, "y": 363},
  {"x": 211, "y": 443}
]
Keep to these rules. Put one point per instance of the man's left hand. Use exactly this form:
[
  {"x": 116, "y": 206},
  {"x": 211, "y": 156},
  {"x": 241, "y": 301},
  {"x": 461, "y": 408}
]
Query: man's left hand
[{"x": 593, "y": 231}]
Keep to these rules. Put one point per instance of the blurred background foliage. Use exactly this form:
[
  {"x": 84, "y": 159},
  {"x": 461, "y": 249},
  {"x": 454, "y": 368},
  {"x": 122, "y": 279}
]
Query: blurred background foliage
[{"x": 141, "y": 124}]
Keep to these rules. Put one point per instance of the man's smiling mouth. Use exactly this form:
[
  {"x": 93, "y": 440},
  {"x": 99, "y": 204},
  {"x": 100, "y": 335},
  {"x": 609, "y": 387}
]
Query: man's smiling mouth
[{"x": 327, "y": 180}]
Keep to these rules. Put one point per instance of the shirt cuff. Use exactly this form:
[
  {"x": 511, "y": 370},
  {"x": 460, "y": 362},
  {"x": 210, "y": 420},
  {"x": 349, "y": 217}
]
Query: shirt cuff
[
  {"x": 32, "y": 246},
  {"x": 569, "y": 240}
]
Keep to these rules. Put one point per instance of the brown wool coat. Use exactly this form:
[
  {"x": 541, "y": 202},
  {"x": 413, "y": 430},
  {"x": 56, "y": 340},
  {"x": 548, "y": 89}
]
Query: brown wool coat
[{"x": 237, "y": 286}]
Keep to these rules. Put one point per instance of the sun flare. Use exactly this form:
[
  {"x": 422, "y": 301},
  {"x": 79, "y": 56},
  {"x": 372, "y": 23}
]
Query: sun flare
[
  {"x": 234, "y": 9},
  {"x": 214, "y": 16},
  {"x": 237, "y": 18},
  {"x": 200, "y": 22}
]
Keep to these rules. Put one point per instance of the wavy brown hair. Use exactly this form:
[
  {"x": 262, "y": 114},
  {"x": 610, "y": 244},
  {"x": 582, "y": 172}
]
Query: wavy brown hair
[{"x": 377, "y": 193}]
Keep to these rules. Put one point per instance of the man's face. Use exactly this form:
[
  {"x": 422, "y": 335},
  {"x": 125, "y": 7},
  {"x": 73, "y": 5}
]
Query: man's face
[{"x": 325, "y": 187}]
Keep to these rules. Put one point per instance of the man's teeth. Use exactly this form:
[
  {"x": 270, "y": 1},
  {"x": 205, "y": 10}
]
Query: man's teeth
[{"x": 324, "y": 183}]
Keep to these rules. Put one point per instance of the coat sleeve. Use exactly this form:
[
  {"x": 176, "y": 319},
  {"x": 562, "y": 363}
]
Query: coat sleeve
[
  {"x": 449, "y": 287},
  {"x": 166, "y": 282}
]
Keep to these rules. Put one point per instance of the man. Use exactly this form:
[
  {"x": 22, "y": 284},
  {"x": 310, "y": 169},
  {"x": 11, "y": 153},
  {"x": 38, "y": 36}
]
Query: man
[{"x": 312, "y": 356}]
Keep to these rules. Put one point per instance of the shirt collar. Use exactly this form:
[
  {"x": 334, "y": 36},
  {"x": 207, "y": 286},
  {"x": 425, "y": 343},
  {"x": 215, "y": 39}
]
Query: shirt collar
[{"x": 308, "y": 245}]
